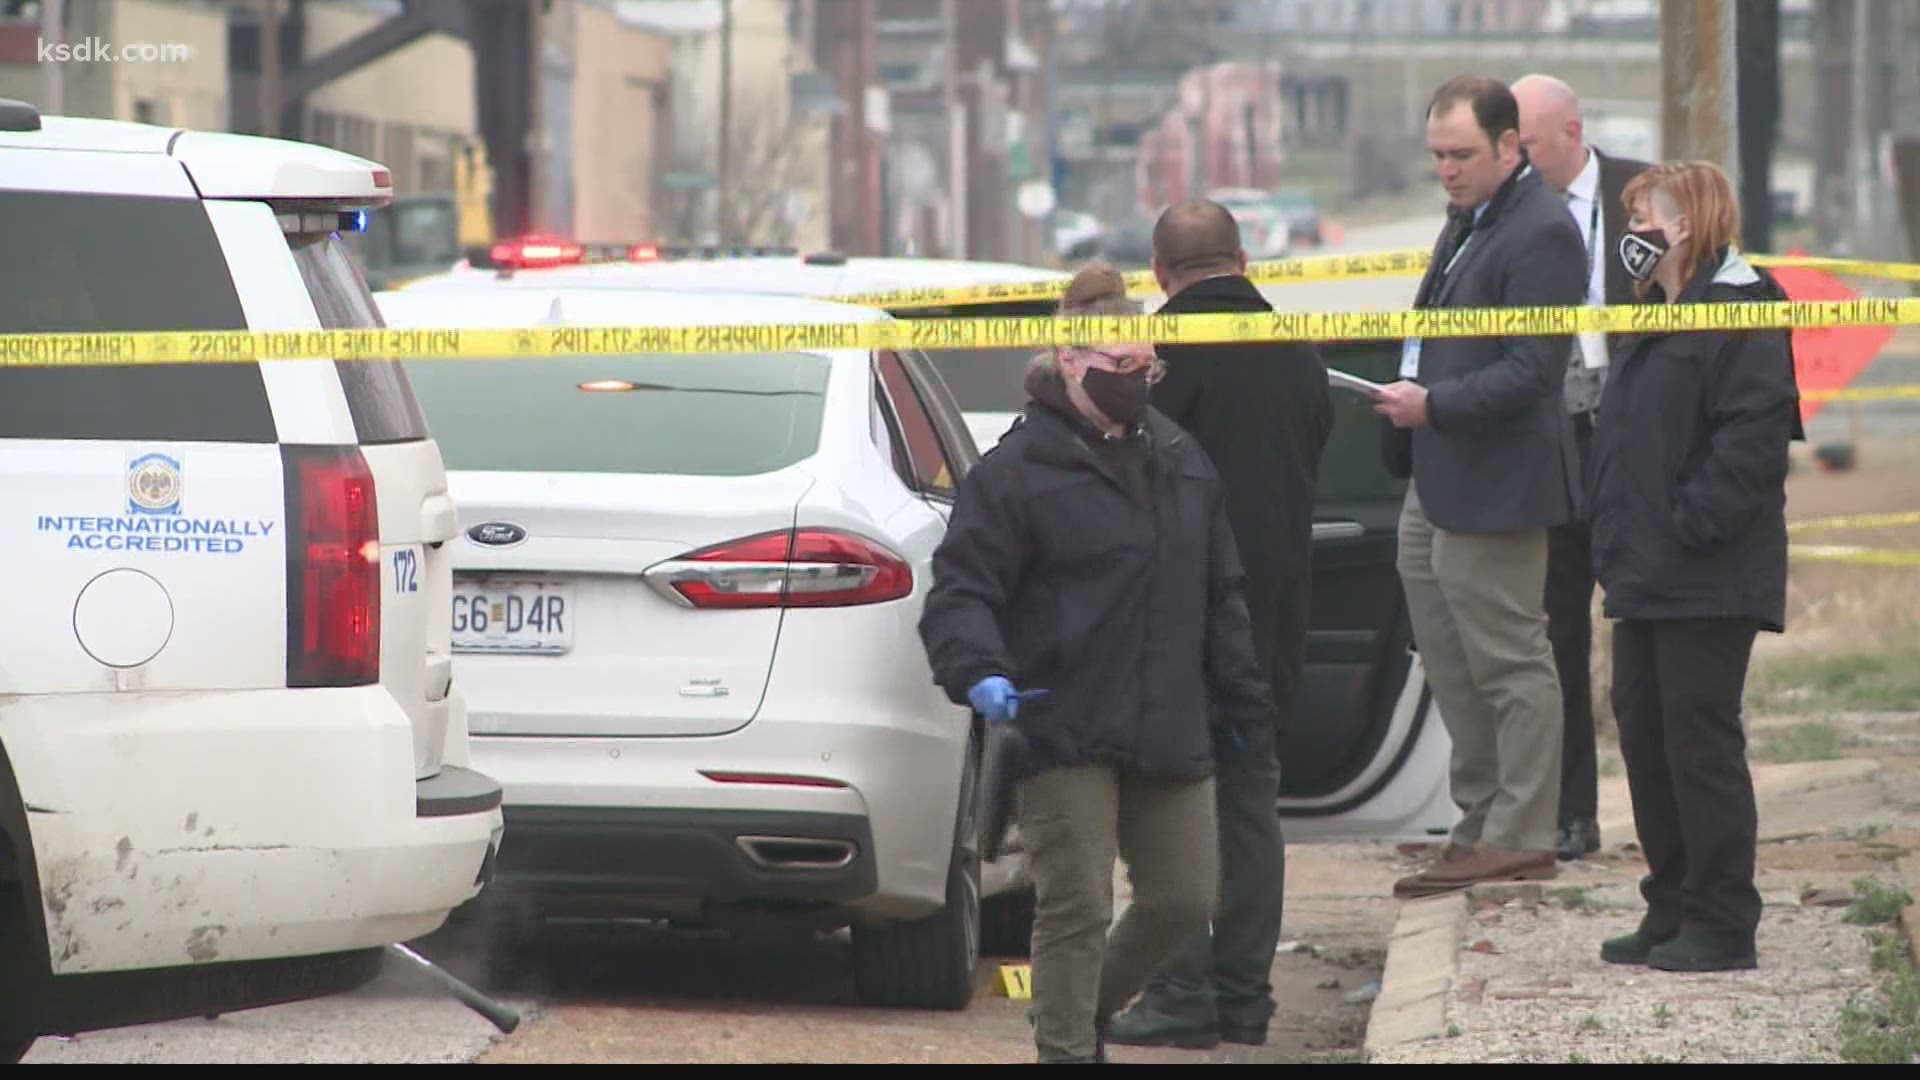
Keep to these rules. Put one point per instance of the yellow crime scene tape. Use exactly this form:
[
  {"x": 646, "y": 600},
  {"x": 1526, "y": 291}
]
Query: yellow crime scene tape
[
  {"x": 1859, "y": 556},
  {"x": 1411, "y": 262},
  {"x": 1856, "y": 521},
  {"x": 998, "y": 332}
]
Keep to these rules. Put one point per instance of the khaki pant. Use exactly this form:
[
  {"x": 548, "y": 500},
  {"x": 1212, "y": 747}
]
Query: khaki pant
[
  {"x": 1480, "y": 624},
  {"x": 1073, "y": 821}
]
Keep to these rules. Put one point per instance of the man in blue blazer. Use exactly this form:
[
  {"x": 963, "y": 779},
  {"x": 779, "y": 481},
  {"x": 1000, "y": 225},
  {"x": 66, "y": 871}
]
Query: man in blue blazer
[{"x": 1479, "y": 427}]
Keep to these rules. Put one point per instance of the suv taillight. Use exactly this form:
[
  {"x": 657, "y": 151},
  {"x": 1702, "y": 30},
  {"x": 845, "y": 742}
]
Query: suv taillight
[
  {"x": 333, "y": 568},
  {"x": 795, "y": 569}
]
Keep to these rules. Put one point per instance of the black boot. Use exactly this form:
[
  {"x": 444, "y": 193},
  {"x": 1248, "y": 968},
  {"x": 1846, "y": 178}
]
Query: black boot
[
  {"x": 1698, "y": 952},
  {"x": 1577, "y": 838},
  {"x": 1142, "y": 1026},
  {"x": 1633, "y": 948}
]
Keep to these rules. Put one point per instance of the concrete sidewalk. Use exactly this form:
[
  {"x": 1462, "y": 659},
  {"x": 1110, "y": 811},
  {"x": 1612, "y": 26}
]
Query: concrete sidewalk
[{"x": 1512, "y": 972}]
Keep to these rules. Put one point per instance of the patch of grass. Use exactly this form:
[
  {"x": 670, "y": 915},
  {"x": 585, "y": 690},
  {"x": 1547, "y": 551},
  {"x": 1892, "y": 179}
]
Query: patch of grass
[
  {"x": 1741, "y": 1012},
  {"x": 1453, "y": 1031},
  {"x": 1882, "y": 678},
  {"x": 1862, "y": 832},
  {"x": 1887, "y": 950},
  {"x": 1662, "y": 1015},
  {"x": 1573, "y": 898},
  {"x": 1878, "y": 903},
  {"x": 1592, "y": 1023},
  {"x": 1578, "y": 1059},
  {"x": 1817, "y": 741},
  {"x": 1886, "y": 1029}
]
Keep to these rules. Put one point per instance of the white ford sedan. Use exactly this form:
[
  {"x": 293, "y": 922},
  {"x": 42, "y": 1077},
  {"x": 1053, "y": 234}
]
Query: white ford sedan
[{"x": 684, "y": 613}]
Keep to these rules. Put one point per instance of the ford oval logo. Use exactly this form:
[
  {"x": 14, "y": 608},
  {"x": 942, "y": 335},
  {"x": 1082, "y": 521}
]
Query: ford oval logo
[{"x": 496, "y": 534}]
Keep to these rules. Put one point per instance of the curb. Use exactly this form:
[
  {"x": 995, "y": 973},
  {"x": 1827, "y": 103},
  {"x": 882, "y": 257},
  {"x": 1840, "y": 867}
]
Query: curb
[{"x": 1423, "y": 960}]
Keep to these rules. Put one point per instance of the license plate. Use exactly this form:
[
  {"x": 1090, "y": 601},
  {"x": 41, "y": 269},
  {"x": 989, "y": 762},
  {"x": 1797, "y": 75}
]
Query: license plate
[{"x": 512, "y": 616}]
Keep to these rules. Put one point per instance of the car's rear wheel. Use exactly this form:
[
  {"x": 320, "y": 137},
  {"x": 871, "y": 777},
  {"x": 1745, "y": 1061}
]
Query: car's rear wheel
[
  {"x": 929, "y": 963},
  {"x": 13, "y": 955}
]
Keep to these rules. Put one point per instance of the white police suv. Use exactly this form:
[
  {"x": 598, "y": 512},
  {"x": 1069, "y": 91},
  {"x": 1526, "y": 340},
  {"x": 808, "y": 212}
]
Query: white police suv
[{"x": 232, "y": 760}]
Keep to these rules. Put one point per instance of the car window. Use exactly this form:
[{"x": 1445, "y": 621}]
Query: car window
[
  {"x": 114, "y": 263},
  {"x": 983, "y": 380},
  {"x": 670, "y": 414},
  {"x": 1350, "y": 468},
  {"x": 949, "y": 421},
  {"x": 382, "y": 403},
  {"x": 932, "y": 472},
  {"x": 886, "y": 434}
]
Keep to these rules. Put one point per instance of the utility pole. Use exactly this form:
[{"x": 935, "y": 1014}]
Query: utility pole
[
  {"x": 1873, "y": 78},
  {"x": 722, "y": 223},
  {"x": 53, "y": 93},
  {"x": 1834, "y": 26},
  {"x": 1699, "y": 93},
  {"x": 956, "y": 133},
  {"x": 270, "y": 68},
  {"x": 1759, "y": 75}
]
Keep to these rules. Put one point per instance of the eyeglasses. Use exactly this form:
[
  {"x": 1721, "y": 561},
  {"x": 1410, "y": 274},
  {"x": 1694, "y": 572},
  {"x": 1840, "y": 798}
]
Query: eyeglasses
[{"x": 1155, "y": 368}]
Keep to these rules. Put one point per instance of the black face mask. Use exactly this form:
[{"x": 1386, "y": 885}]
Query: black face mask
[
  {"x": 1641, "y": 251},
  {"x": 1121, "y": 398}
]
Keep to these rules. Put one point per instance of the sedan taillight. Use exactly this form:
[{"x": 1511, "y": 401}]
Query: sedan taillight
[{"x": 799, "y": 568}]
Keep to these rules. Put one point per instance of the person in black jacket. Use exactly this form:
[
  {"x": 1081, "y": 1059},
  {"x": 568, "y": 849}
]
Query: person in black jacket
[
  {"x": 1263, "y": 413},
  {"x": 1688, "y": 490},
  {"x": 1089, "y": 556}
]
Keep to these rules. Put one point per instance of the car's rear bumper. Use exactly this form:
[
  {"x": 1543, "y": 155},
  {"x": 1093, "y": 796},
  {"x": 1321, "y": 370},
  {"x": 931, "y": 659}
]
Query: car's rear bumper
[
  {"x": 187, "y": 829},
  {"x": 640, "y": 811},
  {"x": 583, "y": 856}
]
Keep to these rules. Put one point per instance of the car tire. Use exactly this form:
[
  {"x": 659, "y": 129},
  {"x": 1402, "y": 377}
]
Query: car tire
[
  {"x": 1006, "y": 924},
  {"x": 930, "y": 963},
  {"x": 13, "y": 957}
]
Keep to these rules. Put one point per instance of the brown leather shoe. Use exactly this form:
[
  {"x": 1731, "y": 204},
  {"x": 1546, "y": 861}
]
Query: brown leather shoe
[
  {"x": 1488, "y": 864},
  {"x": 1422, "y": 883}
]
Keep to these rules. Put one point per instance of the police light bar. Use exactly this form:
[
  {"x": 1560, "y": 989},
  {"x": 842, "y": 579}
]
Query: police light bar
[{"x": 656, "y": 252}]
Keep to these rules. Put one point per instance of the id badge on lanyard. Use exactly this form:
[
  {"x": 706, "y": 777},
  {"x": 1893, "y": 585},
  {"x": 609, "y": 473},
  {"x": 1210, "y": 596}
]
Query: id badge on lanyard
[
  {"x": 1593, "y": 346},
  {"x": 1410, "y": 352}
]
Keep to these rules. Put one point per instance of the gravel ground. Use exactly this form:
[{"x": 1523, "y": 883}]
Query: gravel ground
[{"x": 1533, "y": 989}]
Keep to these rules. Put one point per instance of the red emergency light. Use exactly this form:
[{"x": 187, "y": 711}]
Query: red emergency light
[
  {"x": 644, "y": 253},
  {"x": 536, "y": 252}
]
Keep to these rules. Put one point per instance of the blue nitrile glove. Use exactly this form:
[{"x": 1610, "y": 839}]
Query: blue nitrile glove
[{"x": 995, "y": 698}]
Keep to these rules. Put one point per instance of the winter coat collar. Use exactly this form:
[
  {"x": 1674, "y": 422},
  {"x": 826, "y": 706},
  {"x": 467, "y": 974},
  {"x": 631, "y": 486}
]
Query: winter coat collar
[{"x": 1227, "y": 292}]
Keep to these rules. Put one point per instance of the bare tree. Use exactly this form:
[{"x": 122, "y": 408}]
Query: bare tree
[
  {"x": 770, "y": 159},
  {"x": 770, "y": 162}
]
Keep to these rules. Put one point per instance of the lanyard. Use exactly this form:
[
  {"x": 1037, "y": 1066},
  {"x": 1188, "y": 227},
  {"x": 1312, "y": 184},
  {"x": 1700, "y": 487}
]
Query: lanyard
[{"x": 1593, "y": 241}]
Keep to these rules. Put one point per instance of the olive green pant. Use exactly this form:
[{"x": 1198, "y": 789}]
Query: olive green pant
[{"x": 1073, "y": 821}]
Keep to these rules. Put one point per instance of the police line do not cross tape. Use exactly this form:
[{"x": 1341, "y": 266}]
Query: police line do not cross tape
[
  {"x": 1313, "y": 268},
  {"x": 993, "y": 332}
]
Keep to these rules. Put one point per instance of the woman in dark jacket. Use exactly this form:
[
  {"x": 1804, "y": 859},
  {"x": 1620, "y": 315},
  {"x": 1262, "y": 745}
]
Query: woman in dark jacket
[
  {"x": 1089, "y": 558},
  {"x": 1687, "y": 484}
]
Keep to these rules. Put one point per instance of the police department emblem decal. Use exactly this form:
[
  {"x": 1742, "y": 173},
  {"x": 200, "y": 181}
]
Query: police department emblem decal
[{"x": 153, "y": 485}]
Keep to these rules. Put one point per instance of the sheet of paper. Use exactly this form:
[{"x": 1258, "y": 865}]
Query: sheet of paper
[{"x": 1340, "y": 378}]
